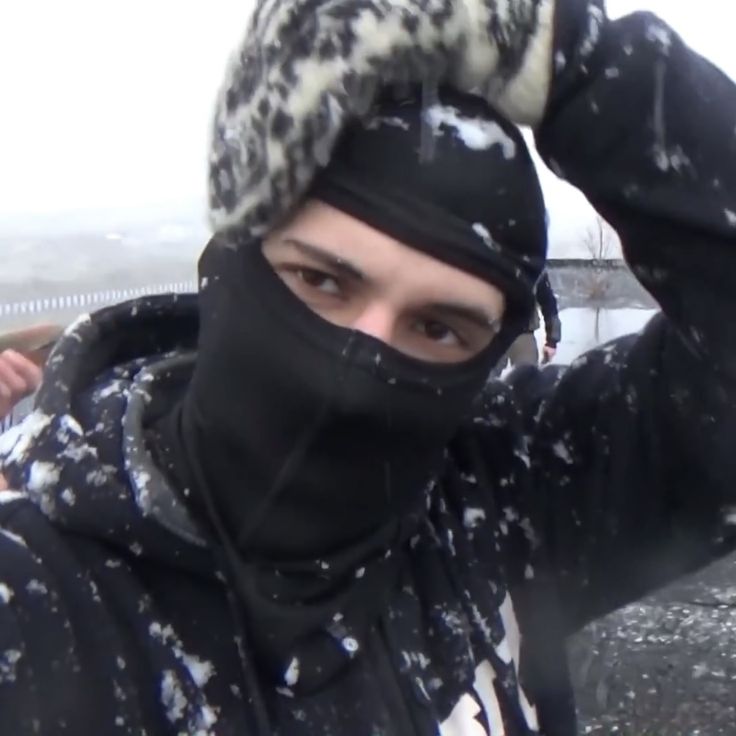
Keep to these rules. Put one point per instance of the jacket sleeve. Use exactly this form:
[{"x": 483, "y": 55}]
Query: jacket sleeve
[
  {"x": 46, "y": 681},
  {"x": 548, "y": 304},
  {"x": 631, "y": 447},
  {"x": 26, "y": 629}
]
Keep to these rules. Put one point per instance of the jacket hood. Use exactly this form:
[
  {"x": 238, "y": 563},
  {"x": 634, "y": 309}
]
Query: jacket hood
[
  {"x": 81, "y": 455},
  {"x": 307, "y": 67}
]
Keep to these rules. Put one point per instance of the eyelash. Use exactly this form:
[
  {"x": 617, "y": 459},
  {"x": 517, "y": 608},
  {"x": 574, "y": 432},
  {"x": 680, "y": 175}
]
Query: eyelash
[
  {"x": 300, "y": 271},
  {"x": 462, "y": 342}
]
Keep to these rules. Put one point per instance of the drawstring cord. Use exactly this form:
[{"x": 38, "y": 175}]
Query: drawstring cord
[{"x": 251, "y": 684}]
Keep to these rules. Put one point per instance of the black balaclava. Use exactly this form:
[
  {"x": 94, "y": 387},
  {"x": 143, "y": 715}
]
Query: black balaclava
[{"x": 311, "y": 448}]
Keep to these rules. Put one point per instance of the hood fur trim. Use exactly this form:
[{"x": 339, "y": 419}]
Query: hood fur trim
[{"x": 305, "y": 67}]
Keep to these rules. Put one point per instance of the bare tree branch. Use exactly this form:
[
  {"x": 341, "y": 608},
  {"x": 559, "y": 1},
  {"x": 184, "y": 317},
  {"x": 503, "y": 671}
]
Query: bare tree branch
[{"x": 601, "y": 241}]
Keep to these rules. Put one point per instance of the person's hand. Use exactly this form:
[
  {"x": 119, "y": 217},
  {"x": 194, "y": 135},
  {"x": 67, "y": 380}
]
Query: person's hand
[
  {"x": 548, "y": 352},
  {"x": 19, "y": 377},
  {"x": 509, "y": 61}
]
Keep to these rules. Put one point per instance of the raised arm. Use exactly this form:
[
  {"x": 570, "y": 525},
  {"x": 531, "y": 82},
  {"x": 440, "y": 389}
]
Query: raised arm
[{"x": 635, "y": 475}]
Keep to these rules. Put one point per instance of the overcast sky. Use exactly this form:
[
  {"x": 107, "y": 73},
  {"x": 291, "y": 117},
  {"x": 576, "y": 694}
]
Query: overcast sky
[{"x": 107, "y": 105}]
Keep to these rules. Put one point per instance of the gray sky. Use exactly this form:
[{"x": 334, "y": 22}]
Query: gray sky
[{"x": 107, "y": 105}]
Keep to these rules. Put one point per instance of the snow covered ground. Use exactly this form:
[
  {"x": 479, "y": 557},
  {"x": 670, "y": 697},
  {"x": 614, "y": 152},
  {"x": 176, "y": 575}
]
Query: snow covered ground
[{"x": 584, "y": 327}]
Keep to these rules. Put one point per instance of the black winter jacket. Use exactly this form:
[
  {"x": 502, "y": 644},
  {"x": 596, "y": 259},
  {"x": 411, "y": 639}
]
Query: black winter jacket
[{"x": 570, "y": 493}]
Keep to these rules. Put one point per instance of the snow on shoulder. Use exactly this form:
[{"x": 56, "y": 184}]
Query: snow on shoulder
[{"x": 475, "y": 133}]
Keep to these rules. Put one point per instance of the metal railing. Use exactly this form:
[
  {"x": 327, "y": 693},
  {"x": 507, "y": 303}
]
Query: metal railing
[{"x": 84, "y": 300}]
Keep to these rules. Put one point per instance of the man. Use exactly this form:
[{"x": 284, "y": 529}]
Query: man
[
  {"x": 523, "y": 350},
  {"x": 552, "y": 327},
  {"x": 319, "y": 522}
]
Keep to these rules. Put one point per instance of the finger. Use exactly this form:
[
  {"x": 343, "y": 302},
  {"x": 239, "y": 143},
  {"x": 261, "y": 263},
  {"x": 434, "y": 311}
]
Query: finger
[
  {"x": 25, "y": 368},
  {"x": 12, "y": 380}
]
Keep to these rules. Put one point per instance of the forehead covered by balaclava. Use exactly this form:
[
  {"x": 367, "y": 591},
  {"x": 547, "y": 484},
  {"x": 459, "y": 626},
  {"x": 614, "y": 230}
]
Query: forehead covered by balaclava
[{"x": 451, "y": 178}]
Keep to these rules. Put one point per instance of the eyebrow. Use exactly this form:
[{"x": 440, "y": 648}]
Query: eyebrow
[
  {"x": 476, "y": 315},
  {"x": 326, "y": 258}
]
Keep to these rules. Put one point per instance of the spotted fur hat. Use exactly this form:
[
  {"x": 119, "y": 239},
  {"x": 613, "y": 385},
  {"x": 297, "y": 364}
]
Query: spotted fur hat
[{"x": 307, "y": 67}]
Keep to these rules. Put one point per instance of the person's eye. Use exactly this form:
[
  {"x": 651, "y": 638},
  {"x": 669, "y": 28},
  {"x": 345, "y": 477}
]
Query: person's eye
[
  {"x": 319, "y": 280},
  {"x": 310, "y": 283},
  {"x": 440, "y": 333}
]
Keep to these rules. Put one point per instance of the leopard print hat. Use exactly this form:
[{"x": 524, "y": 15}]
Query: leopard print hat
[{"x": 305, "y": 68}]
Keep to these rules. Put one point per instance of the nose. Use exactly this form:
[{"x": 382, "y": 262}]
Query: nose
[{"x": 376, "y": 320}]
